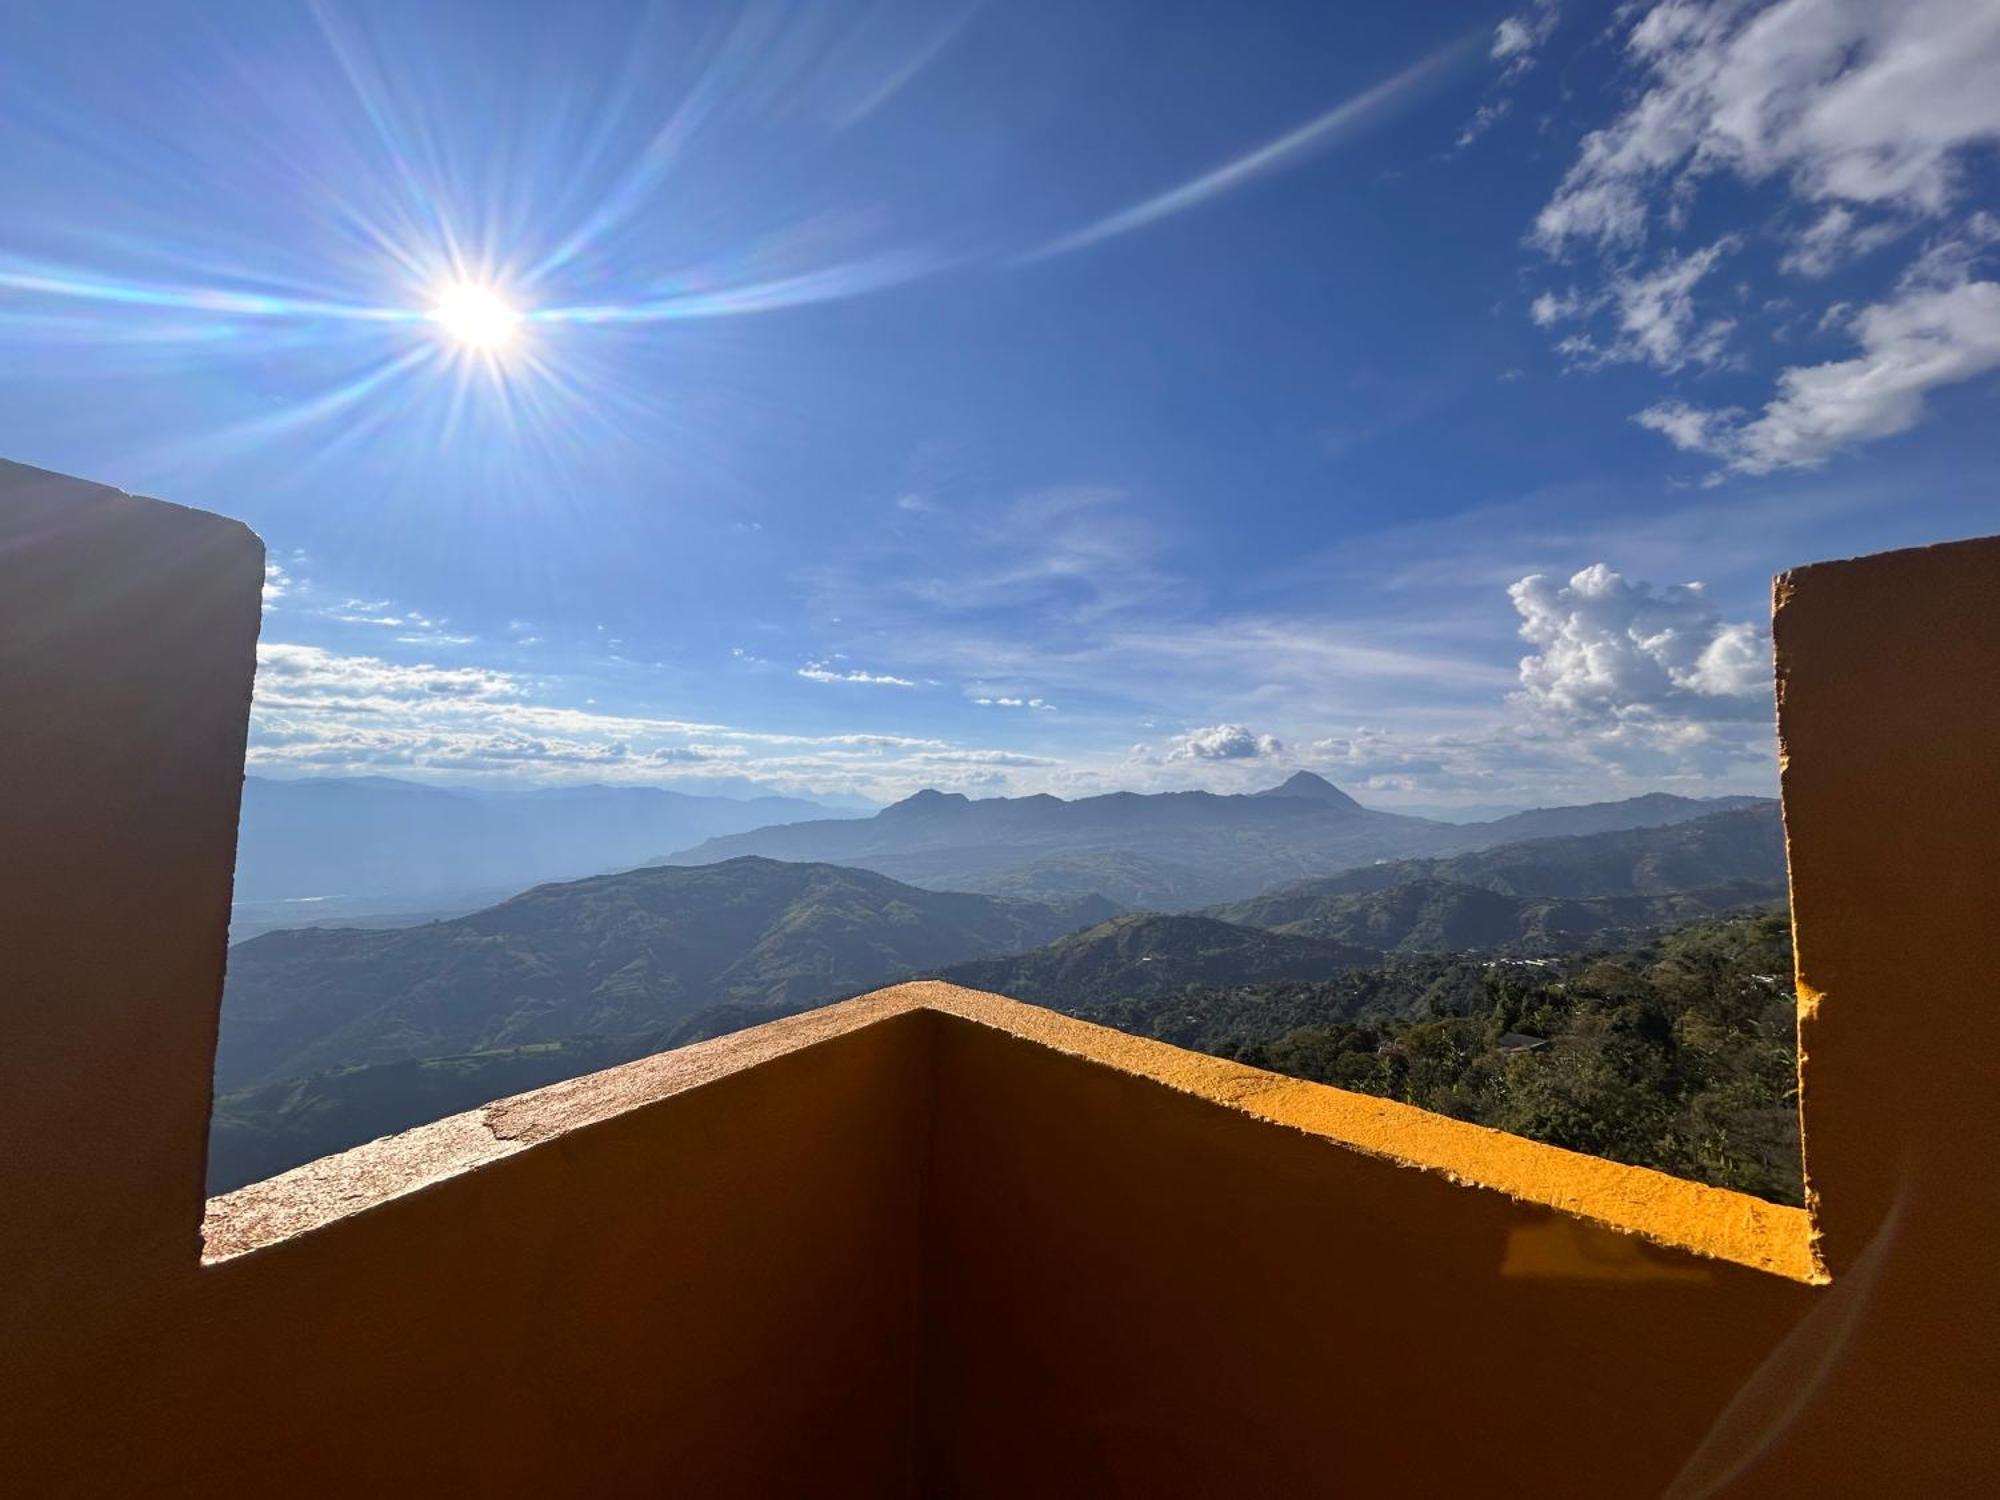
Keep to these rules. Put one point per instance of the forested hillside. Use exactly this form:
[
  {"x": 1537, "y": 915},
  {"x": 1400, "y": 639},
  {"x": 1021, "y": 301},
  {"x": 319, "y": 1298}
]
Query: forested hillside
[
  {"x": 1146, "y": 953},
  {"x": 1677, "y": 1053},
  {"x": 612, "y": 956}
]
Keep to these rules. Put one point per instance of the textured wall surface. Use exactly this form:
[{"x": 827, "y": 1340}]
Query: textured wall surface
[{"x": 933, "y": 1242}]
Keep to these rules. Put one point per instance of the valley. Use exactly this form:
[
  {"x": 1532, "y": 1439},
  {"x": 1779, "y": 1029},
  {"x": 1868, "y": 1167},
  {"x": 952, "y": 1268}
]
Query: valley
[{"x": 333, "y": 1035}]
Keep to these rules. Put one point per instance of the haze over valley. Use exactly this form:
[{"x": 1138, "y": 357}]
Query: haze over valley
[{"x": 333, "y": 1034}]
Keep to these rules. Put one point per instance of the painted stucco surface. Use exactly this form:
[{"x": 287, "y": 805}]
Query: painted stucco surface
[{"x": 931, "y": 1242}]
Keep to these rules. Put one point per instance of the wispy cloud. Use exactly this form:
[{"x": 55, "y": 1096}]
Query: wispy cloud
[
  {"x": 819, "y": 671},
  {"x": 1369, "y": 107},
  {"x": 1517, "y": 41}
]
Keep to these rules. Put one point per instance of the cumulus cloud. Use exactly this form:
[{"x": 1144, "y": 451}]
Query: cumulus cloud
[
  {"x": 1225, "y": 742},
  {"x": 1036, "y": 703},
  {"x": 1625, "y": 683},
  {"x": 819, "y": 671},
  {"x": 1611, "y": 649}
]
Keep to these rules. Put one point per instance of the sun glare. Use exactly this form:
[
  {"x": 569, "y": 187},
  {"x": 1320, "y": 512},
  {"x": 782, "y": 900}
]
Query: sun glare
[{"x": 476, "y": 317}]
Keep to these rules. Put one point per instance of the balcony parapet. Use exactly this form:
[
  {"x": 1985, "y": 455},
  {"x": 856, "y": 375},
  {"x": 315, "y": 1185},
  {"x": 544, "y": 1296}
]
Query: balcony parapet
[{"x": 932, "y": 1241}]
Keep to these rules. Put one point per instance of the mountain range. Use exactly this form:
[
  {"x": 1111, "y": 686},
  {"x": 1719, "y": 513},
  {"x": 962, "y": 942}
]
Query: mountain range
[
  {"x": 614, "y": 955},
  {"x": 1169, "y": 850},
  {"x": 331, "y": 1036},
  {"x": 1540, "y": 895}
]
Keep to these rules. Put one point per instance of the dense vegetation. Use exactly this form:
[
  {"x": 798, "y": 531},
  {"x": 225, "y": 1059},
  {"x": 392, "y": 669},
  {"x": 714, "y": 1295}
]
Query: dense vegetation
[
  {"x": 1678, "y": 1053},
  {"x": 1146, "y": 953}
]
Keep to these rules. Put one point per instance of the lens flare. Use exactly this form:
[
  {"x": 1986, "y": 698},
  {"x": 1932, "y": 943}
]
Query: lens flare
[{"x": 476, "y": 317}]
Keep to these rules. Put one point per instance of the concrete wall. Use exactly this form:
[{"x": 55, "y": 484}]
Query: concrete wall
[{"x": 932, "y": 1242}]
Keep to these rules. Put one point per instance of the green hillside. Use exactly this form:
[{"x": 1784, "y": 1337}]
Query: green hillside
[
  {"x": 1152, "y": 955},
  {"x": 616, "y": 955},
  {"x": 1677, "y": 1053}
]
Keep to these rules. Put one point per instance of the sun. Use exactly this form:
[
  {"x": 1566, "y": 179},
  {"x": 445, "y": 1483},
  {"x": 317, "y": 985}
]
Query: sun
[{"x": 476, "y": 317}]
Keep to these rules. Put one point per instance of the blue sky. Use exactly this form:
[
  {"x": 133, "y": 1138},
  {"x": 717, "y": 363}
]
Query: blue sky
[{"x": 1019, "y": 397}]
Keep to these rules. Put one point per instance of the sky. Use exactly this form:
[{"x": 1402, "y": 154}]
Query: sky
[{"x": 1017, "y": 397}]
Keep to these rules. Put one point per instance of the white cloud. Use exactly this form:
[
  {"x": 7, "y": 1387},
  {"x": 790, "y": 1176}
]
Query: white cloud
[
  {"x": 819, "y": 671},
  {"x": 945, "y": 758},
  {"x": 289, "y": 673},
  {"x": 317, "y": 710},
  {"x": 1225, "y": 742},
  {"x": 1517, "y": 38},
  {"x": 1484, "y": 118},
  {"x": 1516, "y": 42},
  {"x": 277, "y": 583},
  {"x": 1551, "y": 308},
  {"x": 1923, "y": 338},
  {"x": 1628, "y": 686},
  {"x": 1865, "y": 102},
  {"x": 1864, "y": 114},
  {"x": 1835, "y": 237},
  {"x": 685, "y": 755},
  {"x": 1688, "y": 427},
  {"x": 1613, "y": 650},
  {"x": 1036, "y": 703},
  {"x": 1653, "y": 315}
]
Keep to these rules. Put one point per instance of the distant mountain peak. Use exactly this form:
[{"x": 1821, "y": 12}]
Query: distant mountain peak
[
  {"x": 1315, "y": 788},
  {"x": 930, "y": 799}
]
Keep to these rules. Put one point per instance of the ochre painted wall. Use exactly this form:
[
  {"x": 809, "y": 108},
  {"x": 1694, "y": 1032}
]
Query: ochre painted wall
[
  {"x": 713, "y": 1293},
  {"x": 702, "y": 1281},
  {"x": 1156, "y": 1295}
]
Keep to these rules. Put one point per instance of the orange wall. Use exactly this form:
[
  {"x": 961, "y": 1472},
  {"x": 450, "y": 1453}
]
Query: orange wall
[
  {"x": 703, "y": 1283},
  {"x": 713, "y": 1293},
  {"x": 1177, "y": 1299}
]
